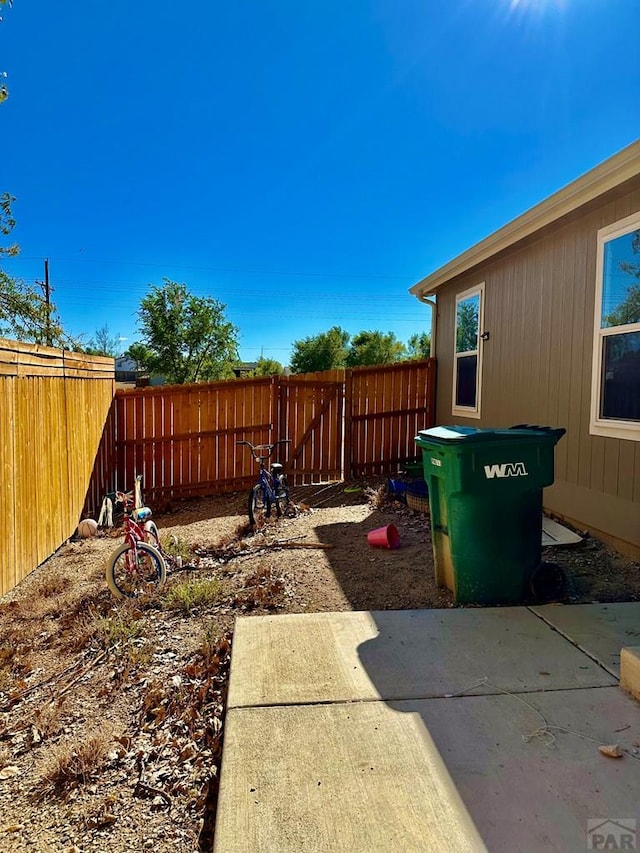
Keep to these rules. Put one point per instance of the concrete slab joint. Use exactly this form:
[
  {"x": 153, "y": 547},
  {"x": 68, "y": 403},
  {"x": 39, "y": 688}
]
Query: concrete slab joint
[{"x": 441, "y": 730}]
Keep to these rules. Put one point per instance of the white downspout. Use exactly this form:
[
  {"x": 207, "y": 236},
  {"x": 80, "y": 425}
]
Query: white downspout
[{"x": 434, "y": 315}]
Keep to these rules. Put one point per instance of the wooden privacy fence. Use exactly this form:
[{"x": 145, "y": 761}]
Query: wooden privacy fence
[
  {"x": 53, "y": 406},
  {"x": 342, "y": 423}
]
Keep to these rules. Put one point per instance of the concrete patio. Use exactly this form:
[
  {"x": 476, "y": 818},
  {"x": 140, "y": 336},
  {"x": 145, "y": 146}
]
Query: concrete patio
[{"x": 462, "y": 729}]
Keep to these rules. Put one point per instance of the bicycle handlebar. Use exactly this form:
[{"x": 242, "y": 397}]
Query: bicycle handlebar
[
  {"x": 124, "y": 498},
  {"x": 269, "y": 447}
]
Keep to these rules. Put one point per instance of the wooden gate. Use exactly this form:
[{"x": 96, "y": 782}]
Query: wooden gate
[
  {"x": 312, "y": 417},
  {"x": 342, "y": 423}
]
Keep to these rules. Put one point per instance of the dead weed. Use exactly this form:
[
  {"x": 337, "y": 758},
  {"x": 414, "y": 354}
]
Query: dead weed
[
  {"x": 51, "y": 584},
  {"x": 49, "y": 718},
  {"x": 262, "y": 588},
  {"x": 68, "y": 765}
]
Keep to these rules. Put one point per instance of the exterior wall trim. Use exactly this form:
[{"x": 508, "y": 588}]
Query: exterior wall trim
[
  {"x": 608, "y": 427},
  {"x": 465, "y": 411}
]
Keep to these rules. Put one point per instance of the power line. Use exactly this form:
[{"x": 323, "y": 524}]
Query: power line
[
  {"x": 322, "y": 301},
  {"x": 121, "y": 286},
  {"x": 232, "y": 270}
]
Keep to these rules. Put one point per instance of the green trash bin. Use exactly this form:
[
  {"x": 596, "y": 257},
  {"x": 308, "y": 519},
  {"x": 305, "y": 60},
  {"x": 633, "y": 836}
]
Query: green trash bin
[{"x": 485, "y": 497}]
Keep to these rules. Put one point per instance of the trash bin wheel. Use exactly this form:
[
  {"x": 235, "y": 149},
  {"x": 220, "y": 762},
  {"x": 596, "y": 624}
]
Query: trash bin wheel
[{"x": 548, "y": 582}]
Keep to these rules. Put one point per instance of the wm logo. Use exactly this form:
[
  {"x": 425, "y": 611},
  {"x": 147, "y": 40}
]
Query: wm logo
[{"x": 507, "y": 469}]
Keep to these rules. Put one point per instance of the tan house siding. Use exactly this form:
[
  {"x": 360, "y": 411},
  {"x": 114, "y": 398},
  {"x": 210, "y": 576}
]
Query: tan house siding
[{"x": 539, "y": 310}]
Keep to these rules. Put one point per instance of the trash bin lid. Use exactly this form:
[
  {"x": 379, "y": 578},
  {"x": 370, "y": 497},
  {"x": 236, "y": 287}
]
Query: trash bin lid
[{"x": 460, "y": 434}]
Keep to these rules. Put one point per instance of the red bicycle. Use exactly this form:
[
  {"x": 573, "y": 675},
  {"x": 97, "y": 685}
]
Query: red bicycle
[{"x": 138, "y": 565}]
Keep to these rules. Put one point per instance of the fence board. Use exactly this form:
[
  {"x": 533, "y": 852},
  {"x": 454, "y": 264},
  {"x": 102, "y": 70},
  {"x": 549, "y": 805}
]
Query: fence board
[
  {"x": 8, "y": 552},
  {"x": 53, "y": 406},
  {"x": 182, "y": 439},
  {"x": 341, "y": 424},
  {"x": 389, "y": 405}
]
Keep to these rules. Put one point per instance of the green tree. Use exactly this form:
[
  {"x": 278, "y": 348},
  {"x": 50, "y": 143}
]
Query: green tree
[
  {"x": 267, "y": 367},
  {"x": 24, "y": 313},
  {"x": 7, "y": 224},
  {"x": 104, "y": 343},
  {"x": 375, "y": 348},
  {"x": 621, "y": 347},
  {"x": 186, "y": 338},
  {"x": 141, "y": 354},
  {"x": 419, "y": 345},
  {"x": 325, "y": 351},
  {"x": 467, "y": 325},
  {"x": 628, "y": 311}
]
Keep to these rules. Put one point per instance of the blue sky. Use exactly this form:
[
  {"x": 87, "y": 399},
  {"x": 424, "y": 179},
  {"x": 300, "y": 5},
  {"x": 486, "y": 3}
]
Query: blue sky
[{"x": 304, "y": 163}]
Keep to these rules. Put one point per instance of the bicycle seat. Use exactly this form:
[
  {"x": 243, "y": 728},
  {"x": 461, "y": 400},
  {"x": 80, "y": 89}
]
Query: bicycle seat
[{"x": 142, "y": 513}]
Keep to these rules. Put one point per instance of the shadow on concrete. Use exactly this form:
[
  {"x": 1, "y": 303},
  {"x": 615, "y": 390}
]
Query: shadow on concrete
[
  {"x": 388, "y": 728},
  {"x": 516, "y": 713},
  {"x": 478, "y": 684}
]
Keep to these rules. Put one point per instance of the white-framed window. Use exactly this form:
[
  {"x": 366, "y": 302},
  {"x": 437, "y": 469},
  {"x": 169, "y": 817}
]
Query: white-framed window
[
  {"x": 615, "y": 388},
  {"x": 467, "y": 352}
]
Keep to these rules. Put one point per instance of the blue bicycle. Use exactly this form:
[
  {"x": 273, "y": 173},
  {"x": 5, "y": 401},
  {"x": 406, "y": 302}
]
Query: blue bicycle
[{"x": 272, "y": 488}]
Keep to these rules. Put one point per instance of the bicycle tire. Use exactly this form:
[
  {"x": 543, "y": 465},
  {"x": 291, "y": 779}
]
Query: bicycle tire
[
  {"x": 151, "y": 534},
  {"x": 283, "y": 498},
  {"x": 259, "y": 505},
  {"x": 128, "y": 581}
]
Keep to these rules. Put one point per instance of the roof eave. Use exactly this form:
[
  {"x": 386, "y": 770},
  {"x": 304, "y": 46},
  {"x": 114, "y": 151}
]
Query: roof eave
[{"x": 613, "y": 172}]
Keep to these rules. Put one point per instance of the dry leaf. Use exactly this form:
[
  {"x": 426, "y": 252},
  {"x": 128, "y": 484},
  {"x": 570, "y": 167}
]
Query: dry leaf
[
  {"x": 612, "y": 750},
  {"x": 8, "y": 772},
  {"x": 188, "y": 752}
]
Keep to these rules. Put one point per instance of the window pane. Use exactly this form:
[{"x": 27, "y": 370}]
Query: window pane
[
  {"x": 621, "y": 281},
  {"x": 467, "y": 313},
  {"x": 466, "y": 380},
  {"x": 621, "y": 377}
]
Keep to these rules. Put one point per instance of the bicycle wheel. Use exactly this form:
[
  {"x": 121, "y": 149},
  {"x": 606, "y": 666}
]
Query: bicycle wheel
[
  {"x": 151, "y": 534},
  {"x": 283, "y": 500},
  {"x": 133, "y": 571},
  {"x": 259, "y": 505}
]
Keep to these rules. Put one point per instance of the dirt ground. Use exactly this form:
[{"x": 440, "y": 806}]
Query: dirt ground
[{"x": 112, "y": 713}]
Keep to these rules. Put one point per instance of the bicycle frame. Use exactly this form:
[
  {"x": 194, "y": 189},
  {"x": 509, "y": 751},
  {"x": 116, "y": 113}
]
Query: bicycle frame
[
  {"x": 138, "y": 527},
  {"x": 271, "y": 487},
  {"x": 134, "y": 532},
  {"x": 138, "y": 563}
]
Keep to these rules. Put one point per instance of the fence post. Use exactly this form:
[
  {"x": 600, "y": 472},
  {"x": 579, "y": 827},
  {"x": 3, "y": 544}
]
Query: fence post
[
  {"x": 281, "y": 415},
  {"x": 347, "y": 443}
]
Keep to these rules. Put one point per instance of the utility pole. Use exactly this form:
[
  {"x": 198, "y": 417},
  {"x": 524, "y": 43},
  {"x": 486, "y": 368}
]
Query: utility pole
[
  {"x": 47, "y": 300},
  {"x": 46, "y": 290}
]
